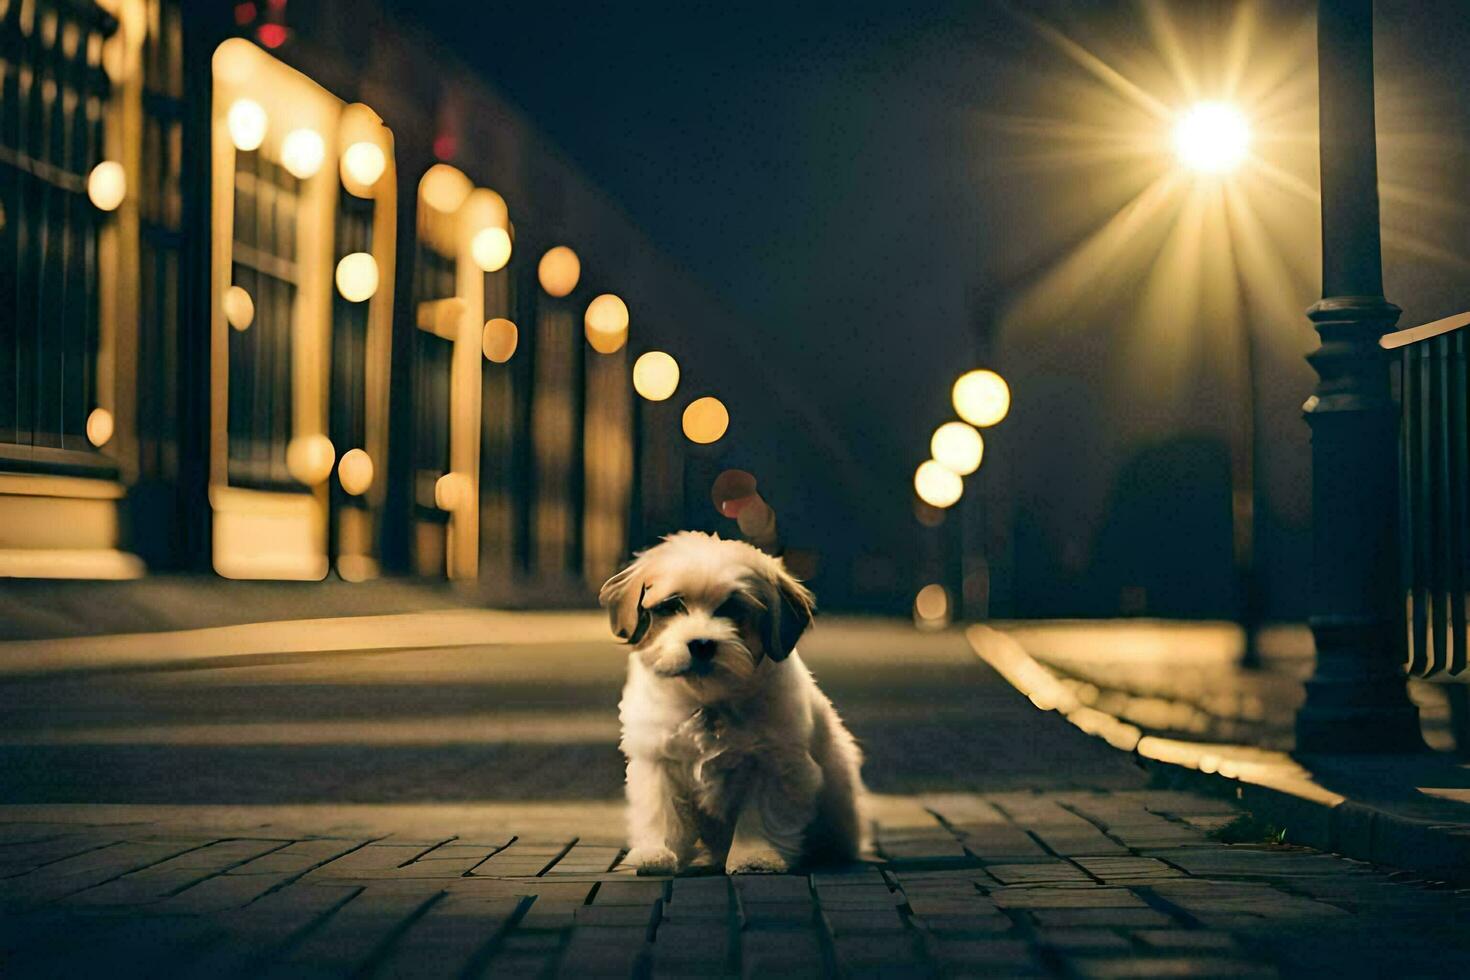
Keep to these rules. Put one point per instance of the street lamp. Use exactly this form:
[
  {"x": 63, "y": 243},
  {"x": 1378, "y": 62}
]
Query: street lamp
[{"x": 1212, "y": 137}]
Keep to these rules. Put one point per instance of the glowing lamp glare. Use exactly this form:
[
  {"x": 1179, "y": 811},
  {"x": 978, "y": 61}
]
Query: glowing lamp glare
[
  {"x": 357, "y": 277},
  {"x": 981, "y": 397},
  {"x": 1212, "y": 138},
  {"x": 364, "y": 163},
  {"x": 706, "y": 420},
  {"x": 655, "y": 375},
  {"x": 499, "y": 339},
  {"x": 302, "y": 152},
  {"x": 559, "y": 271},
  {"x": 936, "y": 485},
  {"x": 490, "y": 248},
  {"x": 247, "y": 123},
  {"x": 107, "y": 185},
  {"x": 958, "y": 447}
]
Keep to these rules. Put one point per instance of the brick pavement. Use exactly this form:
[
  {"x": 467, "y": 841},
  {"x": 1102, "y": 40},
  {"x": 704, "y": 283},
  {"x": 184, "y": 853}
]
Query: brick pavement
[{"x": 1081, "y": 884}]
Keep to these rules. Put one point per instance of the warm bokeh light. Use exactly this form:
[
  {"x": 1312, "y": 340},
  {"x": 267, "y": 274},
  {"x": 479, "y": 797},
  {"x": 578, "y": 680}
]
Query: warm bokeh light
[
  {"x": 981, "y": 397},
  {"x": 607, "y": 323},
  {"x": 363, "y": 163},
  {"x": 453, "y": 491},
  {"x": 99, "y": 427},
  {"x": 355, "y": 472},
  {"x": 607, "y": 314},
  {"x": 247, "y": 123},
  {"x": 302, "y": 152},
  {"x": 928, "y": 515},
  {"x": 357, "y": 277},
  {"x": 732, "y": 491},
  {"x": 490, "y": 248},
  {"x": 444, "y": 188},
  {"x": 958, "y": 447},
  {"x": 559, "y": 271},
  {"x": 309, "y": 459},
  {"x": 937, "y": 486},
  {"x": 706, "y": 419},
  {"x": 1212, "y": 137},
  {"x": 931, "y": 607},
  {"x": 107, "y": 185},
  {"x": 499, "y": 339},
  {"x": 757, "y": 521},
  {"x": 239, "y": 308},
  {"x": 656, "y": 375}
]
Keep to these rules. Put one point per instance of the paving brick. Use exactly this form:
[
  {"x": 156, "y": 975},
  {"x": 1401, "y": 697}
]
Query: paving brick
[
  {"x": 1050, "y": 873},
  {"x": 1104, "y": 917},
  {"x": 1121, "y": 968},
  {"x": 1186, "y": 939},
  {"x": 1066, "y": 898},
  {"x": 781, "y": 952},
  {"x": 691, "y": 949},
  {"x": 772, "y": 888},
  {"x": 1083, "y": 940},
  {"x": 855, "y": 922},
  {"x": 82, "y": 871},
  {"x": 618, "y": 915},
  {"x": 355, "y": 935},
  {"x": 759, "y": 915},
  {"x": 640, "y": 893},
  {"x": 452, "y": 935}
]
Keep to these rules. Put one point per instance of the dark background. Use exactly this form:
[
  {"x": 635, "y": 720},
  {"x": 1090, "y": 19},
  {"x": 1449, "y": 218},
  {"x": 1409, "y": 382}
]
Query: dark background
[{"x": 888, "y": 194}]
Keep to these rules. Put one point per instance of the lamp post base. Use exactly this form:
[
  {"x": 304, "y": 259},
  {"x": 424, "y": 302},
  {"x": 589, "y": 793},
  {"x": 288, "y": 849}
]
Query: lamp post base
[{"x": 1357, "y": 701}]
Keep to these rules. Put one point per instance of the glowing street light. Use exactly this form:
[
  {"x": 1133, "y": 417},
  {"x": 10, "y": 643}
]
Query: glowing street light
[
  {"x": 981, "y": 397},
  {"x": 656, "y": 375},
  {"x": 958, "y": 447},
  {"x": 936, "y": 485},
  {"x": 1212, "y": 137},
  {"x": 247, "y": 123}
]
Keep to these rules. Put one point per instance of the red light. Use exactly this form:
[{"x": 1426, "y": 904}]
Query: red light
[
  {"x": 272, "y": 35},
  {"x": 445, "y": 146},
  {"x": 244, "y": 13},
  {"x": 276, "y": 4}
]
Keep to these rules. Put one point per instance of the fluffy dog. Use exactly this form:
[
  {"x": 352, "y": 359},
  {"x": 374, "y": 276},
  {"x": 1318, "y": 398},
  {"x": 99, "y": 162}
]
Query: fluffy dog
[{"x": 728, "y": 739}]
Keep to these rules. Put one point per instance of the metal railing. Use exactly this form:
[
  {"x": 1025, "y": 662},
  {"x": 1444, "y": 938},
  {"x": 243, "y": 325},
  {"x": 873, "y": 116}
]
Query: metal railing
[{"x": 1434, "y": 492}]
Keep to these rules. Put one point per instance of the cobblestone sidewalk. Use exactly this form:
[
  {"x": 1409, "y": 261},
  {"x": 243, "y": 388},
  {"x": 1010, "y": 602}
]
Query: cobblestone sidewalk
[{"x": 1083, "y": 884}]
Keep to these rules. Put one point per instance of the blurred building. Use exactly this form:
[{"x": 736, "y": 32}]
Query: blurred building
[{"x": 284, "y": 291}]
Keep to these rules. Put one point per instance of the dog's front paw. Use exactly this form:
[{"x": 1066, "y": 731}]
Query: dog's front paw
[
  {"x": 653, "y": 860},
  {"x": 755, "y": 861}
]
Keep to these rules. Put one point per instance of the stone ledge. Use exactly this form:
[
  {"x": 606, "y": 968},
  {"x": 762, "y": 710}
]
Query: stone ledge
[{"x": 1407, "y": 812}]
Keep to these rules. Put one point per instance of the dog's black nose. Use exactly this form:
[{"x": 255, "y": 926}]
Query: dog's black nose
[{"x": 702, "y": 649}]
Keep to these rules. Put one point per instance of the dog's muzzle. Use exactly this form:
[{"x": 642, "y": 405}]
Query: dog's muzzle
[{"x": 702, "y": 650}]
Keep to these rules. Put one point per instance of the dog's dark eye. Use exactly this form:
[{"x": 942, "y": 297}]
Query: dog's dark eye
[
  {"x": 671, "y": 606},
  {"x": 732, "y": 609}
]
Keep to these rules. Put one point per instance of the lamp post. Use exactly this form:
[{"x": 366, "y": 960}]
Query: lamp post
[{"x": 1356, "y": 698}]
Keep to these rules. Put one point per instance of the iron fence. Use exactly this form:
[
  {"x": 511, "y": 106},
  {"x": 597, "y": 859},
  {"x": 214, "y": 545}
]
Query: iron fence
[{"x": 1434, "y": 473}]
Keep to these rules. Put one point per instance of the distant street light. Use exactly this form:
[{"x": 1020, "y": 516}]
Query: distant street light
[
  {"x": 655, "y": 375},
  {"x": 981, "y": 397},
  {"x": 705, "y": 420},
  {"x": 936, "y": 485},
  {"x": 1212, "y": 137},
  {"x": 957, "y": 446}
]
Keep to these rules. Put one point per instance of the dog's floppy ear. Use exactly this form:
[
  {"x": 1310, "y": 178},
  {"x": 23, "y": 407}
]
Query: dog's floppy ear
[
  {"x": 622, "y": 597},
  {"x": 788, "y": 613}
]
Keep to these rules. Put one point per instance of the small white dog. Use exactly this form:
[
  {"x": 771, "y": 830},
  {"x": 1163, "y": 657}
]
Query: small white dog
[{"x": 728, "y": 739}]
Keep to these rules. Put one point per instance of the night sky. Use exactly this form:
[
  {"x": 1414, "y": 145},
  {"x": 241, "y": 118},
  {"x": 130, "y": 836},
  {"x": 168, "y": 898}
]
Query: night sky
[{"x": 884, "y": 193}]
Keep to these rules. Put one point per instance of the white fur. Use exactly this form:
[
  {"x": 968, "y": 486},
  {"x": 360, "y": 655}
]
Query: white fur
[{"x": 742, "y": 752}]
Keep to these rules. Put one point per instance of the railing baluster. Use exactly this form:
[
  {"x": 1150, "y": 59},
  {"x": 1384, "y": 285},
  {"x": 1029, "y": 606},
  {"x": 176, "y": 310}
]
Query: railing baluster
[
  {"x": 1416, "y": 402},
  {"x": 1456, "y": 430},
  {"x": 1439, "y": 435}
]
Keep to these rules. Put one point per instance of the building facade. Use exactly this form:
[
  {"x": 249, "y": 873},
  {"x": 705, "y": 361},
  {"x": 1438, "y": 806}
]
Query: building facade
[{"x": 284, "y": 294}]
